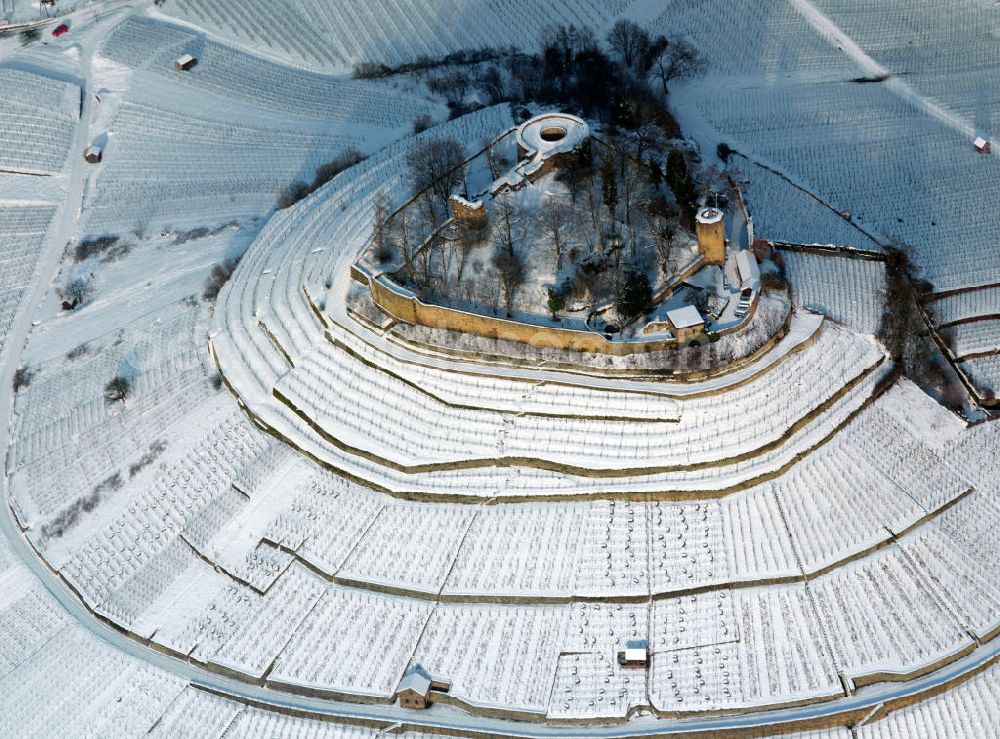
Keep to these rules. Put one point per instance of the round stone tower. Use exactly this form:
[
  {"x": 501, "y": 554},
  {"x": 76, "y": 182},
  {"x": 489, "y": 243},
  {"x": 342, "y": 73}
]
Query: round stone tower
[{"x": 710, "y": 227}]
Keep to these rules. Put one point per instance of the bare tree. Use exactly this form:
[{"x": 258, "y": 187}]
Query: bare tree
[
  {"x": 421, "y": 264},
  {"x": 467, "y": 238},
  {"x": 631, "y": 175},
  {"x": 507, "y": 260},
  {"x": 629, "y": 41},
  {"x": 646, "y": 136},
  {"x": 491, "y": 291},
  {"x": 555, "y": 220},
  {"x": 609, "y": 184},
  {"x": 458, "y": 86},
  {"x": 679, "y": 60},
  {"x": 495, "y": 160},
  {"x": 575, "y": 174},
  {"x": 400, "y": 228},
  {"x": 568, "y": 41},
  {"x": 510, "y": 269},
  {"x": 452, "y": 86},
  {"x": 78, "y": 289},
  {"x": 118, "y": 388},
  {"x": 661, "y": 226},
  {"x": 491, "y": 82},
  {"x": 379, "y": 243},
  {"x": 436, "y": 165},
  {"x": 505, "y": 215}
]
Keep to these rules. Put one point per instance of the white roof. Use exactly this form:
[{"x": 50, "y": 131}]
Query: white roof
[
  {"x": 746, "y": 265},
  {"x": 980, "y": 142},
  {"x": 635, "y": 654},
  {"x": 93, "y": 149},
  {"x": 185, "y": 59},
  {"x": 416, "y": 679},
  {"x": 685, "y": 317}
]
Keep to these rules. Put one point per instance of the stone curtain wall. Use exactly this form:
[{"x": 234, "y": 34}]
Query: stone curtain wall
[{"x": 405, "y": 306}]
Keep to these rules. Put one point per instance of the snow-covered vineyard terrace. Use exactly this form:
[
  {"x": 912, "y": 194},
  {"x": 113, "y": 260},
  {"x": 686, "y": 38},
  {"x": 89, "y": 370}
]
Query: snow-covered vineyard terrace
[{"x": 372, "y": 375}]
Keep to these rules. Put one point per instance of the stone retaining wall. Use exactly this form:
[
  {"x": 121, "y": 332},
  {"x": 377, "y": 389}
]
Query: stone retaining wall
[{"x": 403, "y": 305}]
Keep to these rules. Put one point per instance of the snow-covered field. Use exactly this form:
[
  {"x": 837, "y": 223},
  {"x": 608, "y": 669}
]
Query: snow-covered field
[
  {"x": 846, "y": 289},
  {"x": 783, "y": 212},
  {"x": 309, "y": 506},
  {"x": 334, "y": 36}
]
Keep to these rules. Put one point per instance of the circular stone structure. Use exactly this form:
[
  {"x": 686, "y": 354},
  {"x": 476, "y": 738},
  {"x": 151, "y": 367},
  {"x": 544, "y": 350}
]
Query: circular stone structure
[
  {"x": 709, "y": 215},
  {"x": 551, "y": 133}
]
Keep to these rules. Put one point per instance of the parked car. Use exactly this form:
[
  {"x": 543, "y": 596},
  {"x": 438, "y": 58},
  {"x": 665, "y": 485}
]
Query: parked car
[{"x": 60, "y": 30}]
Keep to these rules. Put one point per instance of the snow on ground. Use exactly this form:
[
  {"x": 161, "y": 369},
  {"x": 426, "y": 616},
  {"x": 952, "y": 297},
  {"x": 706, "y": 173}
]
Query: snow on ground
[
  {"x": 37, "y": 117},
  {"x": 783, "y": 212},
  {"x": 976, "y": 337},
  {"x": 818, "y": 137},
  {"x": 965, "y": 305},
  {"x": 335, "y": 36},
  {"x": 58, "y": 679},
  {"x": 844, "y": 142},
  {"x": 985, "y": 373},
  {"x": 846, "y": 289},
  {"x": 814, "y": 542},
  {"x": 967, "y": 710}
]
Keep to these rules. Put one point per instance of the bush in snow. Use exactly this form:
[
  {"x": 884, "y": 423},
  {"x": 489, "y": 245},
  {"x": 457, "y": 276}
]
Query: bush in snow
[
  {"x": 118, "y": 388},
  {"x": 108, "y": 247},
  {"x": 299, "y": 189},
  {"x": 77, "y": 290},
  {"x": 218, "y": 277},
  {"x": 421, "y": 123},
  {"x": 22, "y": 378},
  {"x": 292, "y": 193}
]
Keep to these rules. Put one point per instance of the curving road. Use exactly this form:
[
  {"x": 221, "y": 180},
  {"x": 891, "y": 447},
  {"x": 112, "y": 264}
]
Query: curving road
[{"x": 438, "y": 717}]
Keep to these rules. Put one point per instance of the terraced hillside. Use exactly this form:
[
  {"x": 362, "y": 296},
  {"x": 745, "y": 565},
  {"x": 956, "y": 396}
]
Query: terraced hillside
[{"x": 293, "y": 503}]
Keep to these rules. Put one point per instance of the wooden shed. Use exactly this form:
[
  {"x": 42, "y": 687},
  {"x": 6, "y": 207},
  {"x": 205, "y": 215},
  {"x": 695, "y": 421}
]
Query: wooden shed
[
  {"x": 93, "y": 153},
  {"x": 981, "y": 144}
]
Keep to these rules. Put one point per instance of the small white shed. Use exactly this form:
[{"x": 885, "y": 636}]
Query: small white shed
[{"x": 184, "y": 63}]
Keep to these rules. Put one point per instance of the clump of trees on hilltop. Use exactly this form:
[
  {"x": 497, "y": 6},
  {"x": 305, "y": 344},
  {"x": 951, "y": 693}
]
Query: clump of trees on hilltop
[
  {"x": 624, "y": 81},
  {"x": 631, "y": 199}
]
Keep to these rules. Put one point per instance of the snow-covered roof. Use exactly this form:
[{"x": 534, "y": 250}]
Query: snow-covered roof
[
  {"x": 186, "y": 59},
  {"x": 709, "y": 215},
  {"x": 552, "y": 133},
  {"x": 472, "y": 205},
  {"x": 415, "y": 679},
  {"x": 635, "y": 655},
  {"x": 685, "y": 317},
  {"x": 636, "y": 650},
  {"x": 749, "y": 271},
  {"x": 980, "y": 143}
]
